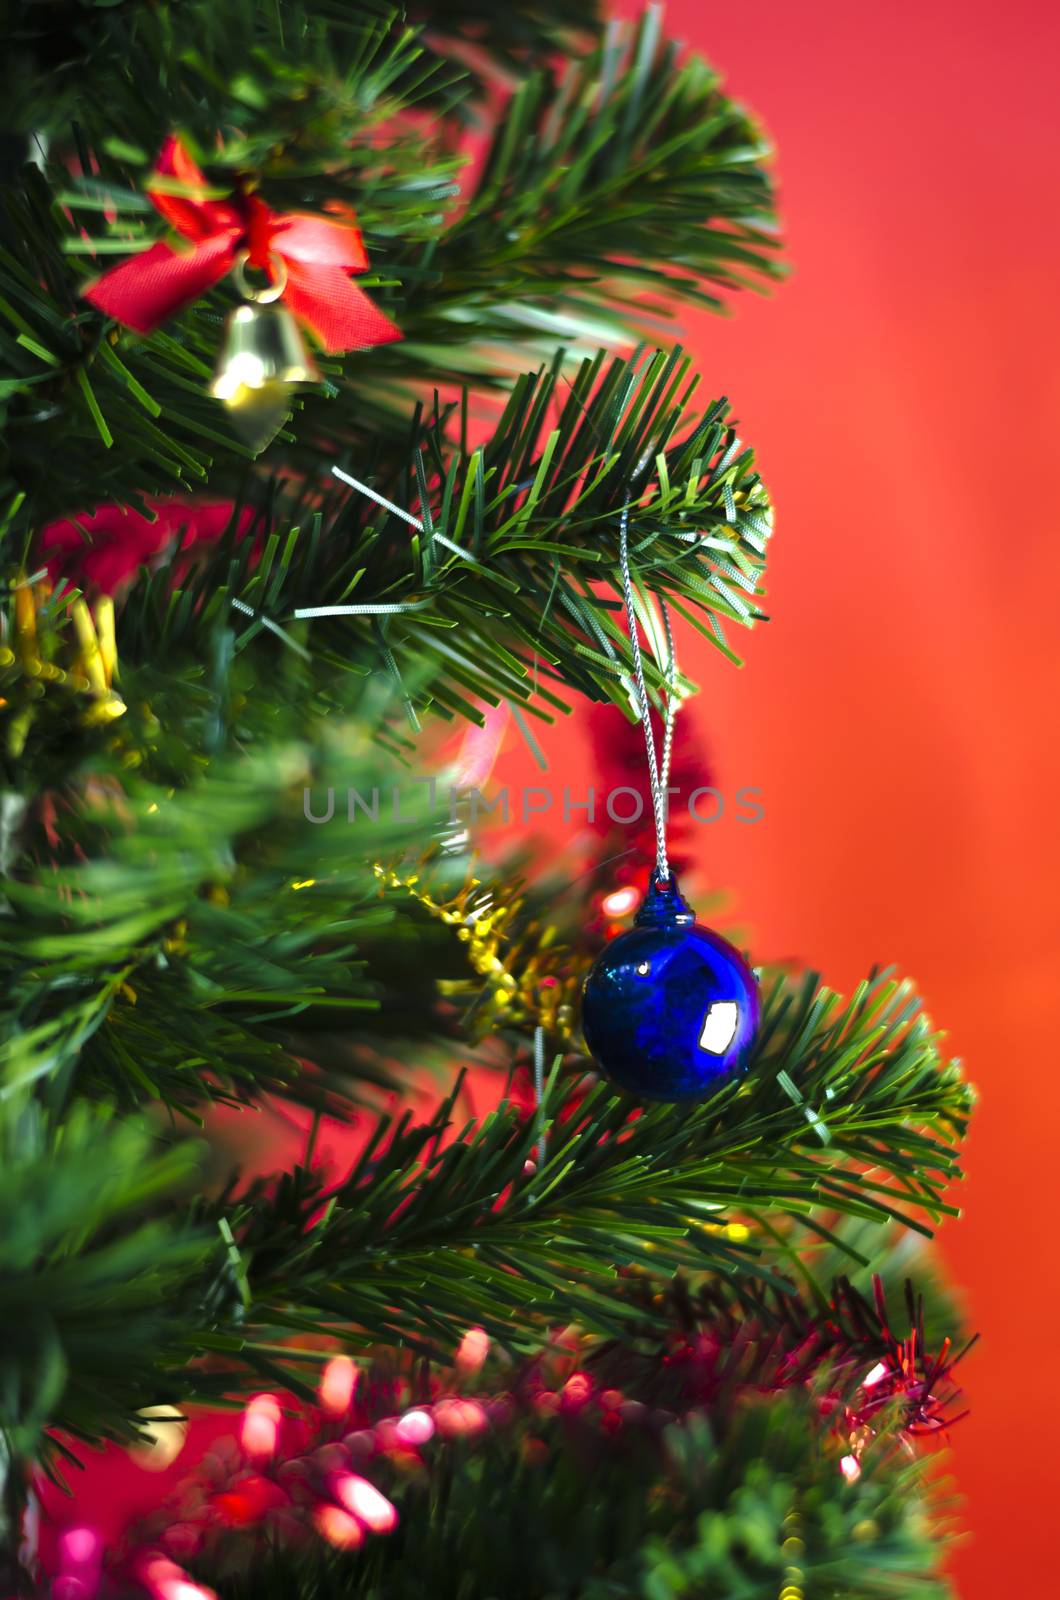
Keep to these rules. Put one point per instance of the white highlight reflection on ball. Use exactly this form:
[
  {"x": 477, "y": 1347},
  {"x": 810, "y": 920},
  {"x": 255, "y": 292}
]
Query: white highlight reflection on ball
[{"x": 719, "y": 1027}]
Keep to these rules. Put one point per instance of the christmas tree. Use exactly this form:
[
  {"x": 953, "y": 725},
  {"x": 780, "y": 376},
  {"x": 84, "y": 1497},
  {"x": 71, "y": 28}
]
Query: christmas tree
[{"x": 340, "y": 420}]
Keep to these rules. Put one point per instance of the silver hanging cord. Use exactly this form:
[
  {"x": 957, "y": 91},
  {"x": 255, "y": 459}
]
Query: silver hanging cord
[
  {"x": 539, "y": 1091},
  {"x": 660, "y": 777}
]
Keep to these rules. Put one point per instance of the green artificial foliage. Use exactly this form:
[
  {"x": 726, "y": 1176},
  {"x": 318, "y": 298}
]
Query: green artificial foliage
[
  {"x": 540, "y": 193},
  {"x": 96, "y": 1262},
  {"x": 428, "y": 1223}
]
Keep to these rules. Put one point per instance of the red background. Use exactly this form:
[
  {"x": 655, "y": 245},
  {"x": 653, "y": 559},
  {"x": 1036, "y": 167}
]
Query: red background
[{"x": 899, "y": 712}]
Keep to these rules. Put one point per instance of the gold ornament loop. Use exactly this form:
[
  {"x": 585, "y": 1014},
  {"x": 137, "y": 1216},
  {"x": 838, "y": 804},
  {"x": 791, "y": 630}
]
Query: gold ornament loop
[{"x": 270, "y": 291}]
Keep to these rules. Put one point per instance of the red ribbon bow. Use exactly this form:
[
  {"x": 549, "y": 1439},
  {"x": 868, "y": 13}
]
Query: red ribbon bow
[{"x": 317, "y": 254}]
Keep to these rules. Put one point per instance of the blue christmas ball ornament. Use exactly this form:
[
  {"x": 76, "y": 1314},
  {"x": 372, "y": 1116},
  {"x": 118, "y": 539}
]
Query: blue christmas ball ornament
[{"x": 670, "y": 1008}]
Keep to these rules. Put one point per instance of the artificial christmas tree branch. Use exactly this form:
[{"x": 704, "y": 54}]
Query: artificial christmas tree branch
[
  {"x": 207, "y": 926},
  {"x": 701, "y": 160},
  {"x": 512, "y": 603},
  {"x": 835, "y": 1089},
  {"x": 94, "y": 1276},
  {"x": 426, "y": 1236},
  {"x": 627, "y": 148}
]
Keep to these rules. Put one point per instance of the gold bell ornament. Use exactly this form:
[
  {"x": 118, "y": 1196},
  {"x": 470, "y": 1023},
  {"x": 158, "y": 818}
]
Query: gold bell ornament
[{"x": 262, "y": 358}]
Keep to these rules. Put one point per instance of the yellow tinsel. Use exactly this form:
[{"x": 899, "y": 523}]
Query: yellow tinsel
[
  {"x": 40, "y": 657},
  {"x": 531, "y": 980}
]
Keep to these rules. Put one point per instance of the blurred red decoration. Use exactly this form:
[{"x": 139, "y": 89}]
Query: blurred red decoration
[{"x": 104, "y": 549}]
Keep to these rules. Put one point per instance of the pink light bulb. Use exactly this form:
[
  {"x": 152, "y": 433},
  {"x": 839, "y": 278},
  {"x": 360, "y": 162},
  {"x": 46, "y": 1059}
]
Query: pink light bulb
[
  {"x": 80, "y": 1564},
  {"x": 454, "y": 1416},
  {"x": 261, "y": 1427},
  {"x": 472, "y": 1350},
  {"x": 364, "y": 1501},
  {"x": 337, "y": 1384},
  {"x": 338, "y": 1527},
  {"x": 80, "y": 1547},
  {"x": 415, "y": 1427},
  {"x": 164, "y": 1580},
  {"x": 620, "y": 902},
  {"x": 184, "y": 1589}
]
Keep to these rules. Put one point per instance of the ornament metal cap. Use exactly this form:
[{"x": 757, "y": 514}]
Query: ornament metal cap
[{"x": 664, "y": 905}]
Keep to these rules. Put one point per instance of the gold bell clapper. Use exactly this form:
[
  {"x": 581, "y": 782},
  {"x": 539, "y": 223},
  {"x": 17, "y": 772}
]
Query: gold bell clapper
[{"x": 262, "y": 359}]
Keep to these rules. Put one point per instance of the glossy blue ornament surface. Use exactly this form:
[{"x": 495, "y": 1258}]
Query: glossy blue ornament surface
[{"x": 669, "y": 1009}]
